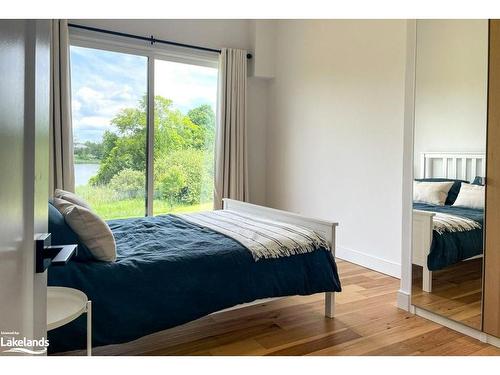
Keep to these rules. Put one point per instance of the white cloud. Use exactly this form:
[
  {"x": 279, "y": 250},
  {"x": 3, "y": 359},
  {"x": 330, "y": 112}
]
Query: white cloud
[
  {"x": 94, "y": 122},
  {"x": 75, "y": 105},
  {"x": 88, "y": 94},
  {"x": 186, "y": 85}
]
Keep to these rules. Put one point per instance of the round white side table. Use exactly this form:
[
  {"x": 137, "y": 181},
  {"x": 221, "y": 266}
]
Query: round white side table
[{"x": 65, "y": 305}]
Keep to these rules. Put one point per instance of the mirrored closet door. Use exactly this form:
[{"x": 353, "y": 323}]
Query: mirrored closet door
[
  {"x": 491, "y": 299},
  {"x": 450, "y": 168}
]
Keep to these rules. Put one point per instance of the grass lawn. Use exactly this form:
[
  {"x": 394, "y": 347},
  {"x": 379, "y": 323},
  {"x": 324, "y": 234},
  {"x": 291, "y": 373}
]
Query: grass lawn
[{"x": 106, "y": 206}]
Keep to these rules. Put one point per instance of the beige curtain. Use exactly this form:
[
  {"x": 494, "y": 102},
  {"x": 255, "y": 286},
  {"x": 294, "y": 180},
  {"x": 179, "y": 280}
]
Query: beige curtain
[
  {"x": 62, "y": 175},
  {"x": 231, "y": 175}
]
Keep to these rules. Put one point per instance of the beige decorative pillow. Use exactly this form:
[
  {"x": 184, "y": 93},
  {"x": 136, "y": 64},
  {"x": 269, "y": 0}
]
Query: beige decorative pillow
[
  {"x": 431, "y": 192},
  {"x": 90, "y": 228},
  {"x": 471, "y": 196},
  {"x": 71, "y": 197}
]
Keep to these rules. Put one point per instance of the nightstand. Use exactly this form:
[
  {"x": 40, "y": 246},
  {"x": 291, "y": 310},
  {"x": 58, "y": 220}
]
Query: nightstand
[{"x": 65, "y": 305}]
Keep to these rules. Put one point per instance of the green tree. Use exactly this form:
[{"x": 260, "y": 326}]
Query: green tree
[
  {"x": 183, "y": 152},
  {"x": 125, "y": 149},
  {"x": 173, "y": 131},
  {"x": 108, "y": 143},
  {"x": 89, "y": 152},
  {"x": 95, "y": 150},
  {"x": 128, "y": 183},
  {"x": 204, "y": 117},
  {"x": 172, "y": 184},
  {"x": 197, "y": 166}
]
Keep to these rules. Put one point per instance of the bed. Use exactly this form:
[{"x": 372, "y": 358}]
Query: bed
[
  {"x": 170, "y": 271},
  {"x": 432, "y": 250}
]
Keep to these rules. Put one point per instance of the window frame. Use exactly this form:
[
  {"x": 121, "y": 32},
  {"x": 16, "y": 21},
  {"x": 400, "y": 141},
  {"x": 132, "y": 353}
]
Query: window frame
[{"x": 86, "y": 39}]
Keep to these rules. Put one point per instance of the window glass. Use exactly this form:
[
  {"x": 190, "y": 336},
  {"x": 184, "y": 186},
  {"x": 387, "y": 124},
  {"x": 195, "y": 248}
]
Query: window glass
[
  {"x": 109, "y": 130},
  {"x": 185, "y": 97}
]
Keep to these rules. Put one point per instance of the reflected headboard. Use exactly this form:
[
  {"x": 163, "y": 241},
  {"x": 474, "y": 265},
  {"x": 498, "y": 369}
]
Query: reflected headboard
[{"x": 455, "y": 165}]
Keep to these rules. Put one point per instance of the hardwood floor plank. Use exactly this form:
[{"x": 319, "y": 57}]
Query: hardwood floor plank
[
  {"x": 248, "y": 347},
  {"x": 489, "y": 350},
  {"x": 365, "y": 345},
  {"x": 419, "y": 344},
  {"x": 320, "y": 326},
  {"x": 337, "y": 338},
  {"x": 215, "y": 341},
  {"x": 465, "y": 345}
]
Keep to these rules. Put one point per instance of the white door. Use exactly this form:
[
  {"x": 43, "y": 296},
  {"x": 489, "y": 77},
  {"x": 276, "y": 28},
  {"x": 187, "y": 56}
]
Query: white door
[{"x": 24, "y": 170}]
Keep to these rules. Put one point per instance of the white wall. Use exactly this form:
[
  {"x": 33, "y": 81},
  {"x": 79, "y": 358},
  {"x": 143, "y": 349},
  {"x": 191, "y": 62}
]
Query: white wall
[
  {"x": 264, "y": 43},
  {"x": 213, "y": 34},
  {"x": 335, "y": 131},
  {"x": 256, "y": 138},
  {"x": 451, "y": 86}
]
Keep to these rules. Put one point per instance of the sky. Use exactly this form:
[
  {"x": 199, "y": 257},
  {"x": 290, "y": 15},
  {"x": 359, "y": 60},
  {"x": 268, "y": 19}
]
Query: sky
[{"x": 104, "y": 82}]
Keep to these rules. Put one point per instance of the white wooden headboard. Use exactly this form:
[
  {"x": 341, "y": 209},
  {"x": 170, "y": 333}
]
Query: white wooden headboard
[{"x": 456, "y": 165}]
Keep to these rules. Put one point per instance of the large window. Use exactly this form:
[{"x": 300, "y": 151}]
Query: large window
[{"x": 111, "y": 103}]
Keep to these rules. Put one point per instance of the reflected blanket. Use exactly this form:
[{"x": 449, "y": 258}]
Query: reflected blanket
[{"x": 450, "y": 247}]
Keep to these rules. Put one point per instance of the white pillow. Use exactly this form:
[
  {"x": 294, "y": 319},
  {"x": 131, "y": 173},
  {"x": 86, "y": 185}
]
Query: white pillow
[
  {"x": 71, "y": 197},
  {"x": 90, "y": 228},
  {"x": 471, "y": 196},
  {"x": 431, "y": 192}
]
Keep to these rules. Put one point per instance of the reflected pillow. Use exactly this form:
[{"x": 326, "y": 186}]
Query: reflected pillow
[
  {"x": 71, "y": 197},
  {"x": 90, "y": 228},
  {"x": 478, "y": 181},
  {"x": 431, "y": 192},
  {"x": 471, "y": 196},
  {"x": 455, "y": 189}
]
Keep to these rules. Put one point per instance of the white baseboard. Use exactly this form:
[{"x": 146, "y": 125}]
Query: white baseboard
[
  {"x": 404, "y": 300},
  {"x": 495, "y": 341},
  {"x": 369, "y": 261}
]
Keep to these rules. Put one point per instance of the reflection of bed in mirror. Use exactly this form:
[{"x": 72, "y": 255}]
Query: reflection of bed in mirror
[{"x": 434, "y": 250}]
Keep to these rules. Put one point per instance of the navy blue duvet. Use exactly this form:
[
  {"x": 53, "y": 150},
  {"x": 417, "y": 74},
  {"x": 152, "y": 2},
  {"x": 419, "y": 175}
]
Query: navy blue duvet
[
  {"x": 169, "y": 272},
  {"x": 450, "y": 248}
]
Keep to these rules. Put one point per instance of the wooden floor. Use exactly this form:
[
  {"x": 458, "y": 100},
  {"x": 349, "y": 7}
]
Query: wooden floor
[
  {"x": 367, "y": 322},
  {"x": 456, "y": 292}
]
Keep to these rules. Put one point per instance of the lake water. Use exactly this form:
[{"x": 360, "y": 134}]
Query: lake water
[{"x": 83, "y": 173}]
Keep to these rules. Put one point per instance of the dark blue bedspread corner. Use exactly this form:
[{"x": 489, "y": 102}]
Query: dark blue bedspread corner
[{"x": 169, "y": 272}]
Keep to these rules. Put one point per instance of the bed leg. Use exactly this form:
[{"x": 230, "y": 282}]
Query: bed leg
[
  {"x": 329, "y": 304},
  {"x": 426, "y": 280}
]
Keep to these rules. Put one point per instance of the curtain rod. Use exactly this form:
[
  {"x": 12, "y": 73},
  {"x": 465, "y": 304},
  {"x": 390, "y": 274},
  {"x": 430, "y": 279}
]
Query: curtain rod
[{"x": 150, "y": 39}]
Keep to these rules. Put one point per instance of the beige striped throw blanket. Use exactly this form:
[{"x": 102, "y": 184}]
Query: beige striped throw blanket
[
  {"x": 451, "y": 223},
  {"x": 263, "y": 238}
]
